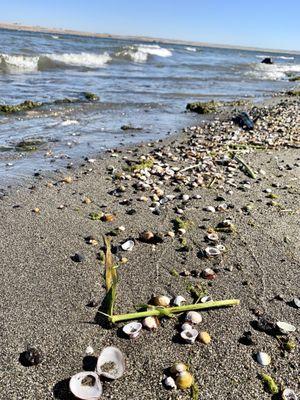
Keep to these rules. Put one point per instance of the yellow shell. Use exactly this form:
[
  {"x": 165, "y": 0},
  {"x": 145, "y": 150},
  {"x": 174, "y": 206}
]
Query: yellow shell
[
  {"x": 204, "y": 337},
  {"x": 67, "y": 179},
  {"x": 177, "y": 368},
  {"x": 184, "y": 380}
]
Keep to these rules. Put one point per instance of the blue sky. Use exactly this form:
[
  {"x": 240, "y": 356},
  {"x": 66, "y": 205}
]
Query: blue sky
[{"x": 261, "y": 23}]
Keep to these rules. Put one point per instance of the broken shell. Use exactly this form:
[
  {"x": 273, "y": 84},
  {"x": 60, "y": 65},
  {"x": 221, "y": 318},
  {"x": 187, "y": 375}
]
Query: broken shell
[
  {"x": 181, "y": 231},
  {"x": 132, "y": 329},
  {"x": 169, "y": 383},
  {"x": 210, "y": 209},
  {"x": 212, "y": 251},
  {"x": 297, "y": 302},
  {"x": 128, "y": 245},
  {"x": 285, "y": 327},
  {"x": 189, "y": 335},
  {"x": 111, "y": 356},
  {"x": 213, "y": 237},
  {"x": 186, "y": 326},
  {"x": 150, "y": 323},
  {"x": 86, "y": 385},
  {"x": 161, "y": 301},
  {"x": 184, "y": 380},
  {"x": 208, "y": 273},
  {"x": 179, "y": 300},
  {"x": 263, "y": 358},
  {"x": 204, "y": 337},
  {"x": 289, "y": 394},
  {"x": 205, "y": 299},
  {"x": 178, "y": 367},
  {"x": 89, "y": 351},
  {"x": 221, "y": 247},
  {"x": 194, "y": 317}
]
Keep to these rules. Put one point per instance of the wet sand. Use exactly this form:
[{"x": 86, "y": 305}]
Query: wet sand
[{"x": 45, "y": 293}]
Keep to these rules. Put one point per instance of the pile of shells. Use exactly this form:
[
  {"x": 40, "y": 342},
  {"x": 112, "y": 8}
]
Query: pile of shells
[{"x": 179, "y": 378}]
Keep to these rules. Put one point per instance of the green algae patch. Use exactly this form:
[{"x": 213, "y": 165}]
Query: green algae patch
[
  {"x": 142, "y": 165},
  {"x": 293, "y": 93},
  {"x": 90, "y": 96},
  {"x": 269, "y": 383},
  {"x": 29, "y": 145},
  {"x": 25, "y": 106},
  {"x": 96, "y": 216},
  {"x": 204, "y": 107}
]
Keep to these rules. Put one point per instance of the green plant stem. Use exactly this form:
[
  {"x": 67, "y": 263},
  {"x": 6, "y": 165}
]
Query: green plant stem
[
  {"x": 168, "y": 311},
  {"x": 249, "y": 170}
]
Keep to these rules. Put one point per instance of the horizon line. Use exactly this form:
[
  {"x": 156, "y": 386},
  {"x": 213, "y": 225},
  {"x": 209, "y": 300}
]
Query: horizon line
[{"x": 41, "y": 29}]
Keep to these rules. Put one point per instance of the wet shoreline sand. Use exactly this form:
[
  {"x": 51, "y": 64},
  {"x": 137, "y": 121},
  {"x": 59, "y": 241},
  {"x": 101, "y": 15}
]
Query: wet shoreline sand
[{"x": 45, "y": 293}]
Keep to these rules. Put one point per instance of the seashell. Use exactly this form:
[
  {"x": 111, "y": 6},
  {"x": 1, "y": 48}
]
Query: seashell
[
  {"x": 186, "y": 326},
  {"x": 213, "y": 237},
  {"x": 86, "y": 200},
  {"x": 86, "y": 385},
  {"x": 89, "y": 351},
  {"x": 189, "y": 335},
  {"x": 182, "y": 231},
  {"x": 263, "y": 358},
  {"x": 185, "y": 197},
  {"x": 146, "y": 236},
  {"x": 128, "y": 245},
  {"x": 171, "y": 234},
  {"x": 194, "y": 317},
  {"x": 169, "y": 383},
  {"x": 210, "y": 209},
  {"x": 113, "y": 358},
  {"x": 221, "y": 247},
  {"x": 206, "y": 299},
  {"x": 212, "y": 251},
  {"x": 289, "y": 394},
  {"x": 161, "y": 301},
  {"x": 285, "y": 327},
  {"x": 150, "y": 323},
  {"x": 184, "y": 380},
  {"x": 108, "y": 218},
  {"x": 179, "y": 300},
  {"x": 178, "y": 367},
  {"x": 222, "y": 207},
  {"x": 297, "y": 302},
  {"x": 204, "y": 337},
  {"x": 132, "y": 329},
  {"x": 67, "y": 179},
  {"x": 208, "y": 273}
]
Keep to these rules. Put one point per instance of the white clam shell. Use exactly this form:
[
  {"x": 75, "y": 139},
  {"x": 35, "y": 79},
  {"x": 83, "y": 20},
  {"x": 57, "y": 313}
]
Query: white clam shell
[
  {"x": 213, "y": 237},
  {"x": 85, "y": 392},
  {"x": 186, "y": 326},
  {"x": 128, "y": 245},
  {"x": 206, "y": 299},
  {"x": 132, "y": 329},
  {"x": 297, "y": 302},
  {"x": 189, "y": 336},
  {"x": 194, "y": 317},
  {"x": 289, "y": 394},
  {"x": 179, "y": 300},
  {"x": 210, "y": 209},
  {"x": 150, "y": 323},
  {"x": 212, "y": 251},
  {"x": 111, "y": 355},
  {"x": 285, "y": 327},
  {"x": 169, "y": 383},
  {"x": 263, "y": 358}
]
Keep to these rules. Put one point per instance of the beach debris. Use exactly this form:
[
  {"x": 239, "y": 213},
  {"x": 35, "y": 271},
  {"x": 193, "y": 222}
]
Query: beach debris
[
  {"x": 204, "y": 337},
  {"x": 179, "y": 300},
  {"x": 263, "y": 358},
  {"x": 189, "y": 335},
  {"x": 193, "y": 317},
  {"x": 161, "y": 301},
  {"x": 269, "y": 383},
  {"x": 86, "y": 385},
  {"x": 289, "y": 394},
  {"x": 244, "y": 121},
  {"x": 285, "y": 328},
  {"x": 89, "y": 351},
  {"x": 248, "y": 170},
  {"x": 77, "y": 257},
  {"x": 178, "y": 367},
  {"x": 213, "y": 237},
  {"x": 184, "y": 380},
  {"x": 111, "y": 278},
  {"x": 128, "y": 245},
  {"x": 130, "y": 127},
  {"x": 151, "y": 323},
  {"x": 111, "y": 363},
  {"x": 212, "y": 251},
  {"x": 31, "y": 356},
  {"x": 133, "y": 329},
  {"x": 108, "y": 218},
  {"x": 169, "y": 383},
  {"x": 296, "y": 302},
  {"x": 209, "y": 274}
]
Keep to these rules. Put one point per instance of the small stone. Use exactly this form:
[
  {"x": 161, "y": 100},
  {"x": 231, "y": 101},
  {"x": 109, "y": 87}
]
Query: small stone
[
  {"x": 204, "y": 337},
  {"x": 67, "y": 179},
  {"x": 36, "y": 210},
  {"x": 32, "y": 356},
  {"x": 86, "y": 200},
  {"x": 78, "y": 258},
  {"x": 108, "y": 218},
  {"x": 210, "y": 209},
  {"x": 296, "y": 302},
  {"x": 89, "y": 351},
  {"x": 263, "y": 358},
  {"x": 246, "y": 339},
  {"x": 209, "y": 274}
]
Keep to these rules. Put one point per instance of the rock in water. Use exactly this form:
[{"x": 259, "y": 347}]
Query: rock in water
[
  {"x": 267, "y": 60},
  {"x": 244, "y": 121}
]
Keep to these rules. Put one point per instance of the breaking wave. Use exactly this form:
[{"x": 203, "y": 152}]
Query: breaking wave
[
  {"x": 20, "y": 63},
  {"x": 191, "y": 48},
  {"x": 274, "y": 72},
  {"x": 140, "y": 53},
  {"x": 279, "y": 57}
]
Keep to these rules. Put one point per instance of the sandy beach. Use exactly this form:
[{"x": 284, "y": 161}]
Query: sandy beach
[{"x": 45, "y": 294}]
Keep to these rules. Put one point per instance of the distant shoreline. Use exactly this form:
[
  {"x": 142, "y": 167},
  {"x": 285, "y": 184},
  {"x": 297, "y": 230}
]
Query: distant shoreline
[{"x": 40, "y": 29}]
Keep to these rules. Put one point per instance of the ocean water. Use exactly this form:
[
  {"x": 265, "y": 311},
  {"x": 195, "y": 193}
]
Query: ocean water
[{"x": 140, "y": 84}]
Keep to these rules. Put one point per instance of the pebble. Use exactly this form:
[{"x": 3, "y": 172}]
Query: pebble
[
  {"x": 204, "y": 337},
  {"x": 78, "y": 258}
]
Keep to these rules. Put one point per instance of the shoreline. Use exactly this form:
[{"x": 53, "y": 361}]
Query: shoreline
[
  {"x": 45, "y": 294},
  {"x": 40, "y": 29}
]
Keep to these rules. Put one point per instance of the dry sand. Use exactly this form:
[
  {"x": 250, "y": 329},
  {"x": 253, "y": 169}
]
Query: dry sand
[{"x": 44, "y": 294}]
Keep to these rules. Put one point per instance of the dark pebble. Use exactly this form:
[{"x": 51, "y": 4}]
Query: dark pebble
[{"x": 78, "y": 257}]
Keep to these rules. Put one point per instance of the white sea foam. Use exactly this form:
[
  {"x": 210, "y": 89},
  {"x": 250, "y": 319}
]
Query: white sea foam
[
  {"x": 273, "y": 72},
  {"x": 191, "y": 48},
  {"x": 279, "y": 57},
  {"x": 19, "y": 62},
  {"x": 89, "y": 60},
  {"x": 68, "y": 122},
  {"x": 140, "y": 53}
]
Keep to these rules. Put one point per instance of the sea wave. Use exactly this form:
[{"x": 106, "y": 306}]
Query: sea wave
[
  {"x": 279, "y": 57},
  {"x": 21, "y": 63},
  {"x": 191, "y": 48},
  {"x": 141, "y": 53},
  {"x": 273, "y": 72}
]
